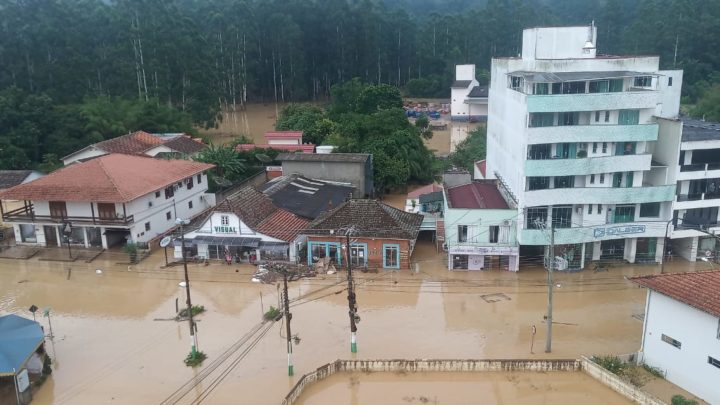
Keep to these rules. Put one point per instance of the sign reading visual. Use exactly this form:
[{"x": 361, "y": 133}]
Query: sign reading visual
[
  {"x": 618, "y": 230},
  {"x": 225, "y": 229}
]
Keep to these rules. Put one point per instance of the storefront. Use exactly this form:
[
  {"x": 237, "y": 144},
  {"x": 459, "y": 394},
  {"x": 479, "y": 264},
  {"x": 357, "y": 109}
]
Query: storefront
[{"x": 483, "y": 258}]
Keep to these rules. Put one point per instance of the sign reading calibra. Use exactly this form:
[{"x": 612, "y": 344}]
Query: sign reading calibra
[{"x": 225, "y": 229}]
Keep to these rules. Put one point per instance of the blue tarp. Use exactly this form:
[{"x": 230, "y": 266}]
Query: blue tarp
[{"x": 19, "y": 338}]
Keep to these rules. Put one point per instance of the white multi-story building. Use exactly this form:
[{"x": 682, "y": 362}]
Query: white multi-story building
[
  {"x": 587, "y": 143},
  {"x": 109, "y": 200},
  {"x": 698, "y": 191},
  {"x": 468, "y": 100}
]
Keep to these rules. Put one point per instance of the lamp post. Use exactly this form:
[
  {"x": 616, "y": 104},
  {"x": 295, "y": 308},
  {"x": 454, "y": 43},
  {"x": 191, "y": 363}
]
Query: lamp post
[
  {"x": 67, "y": 230},
  {"x": 193, "y": 335},
  {"x": 662, "y": 259}
]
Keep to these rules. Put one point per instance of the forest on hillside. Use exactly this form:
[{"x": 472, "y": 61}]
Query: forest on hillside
[{"x": 200, "y": 56}]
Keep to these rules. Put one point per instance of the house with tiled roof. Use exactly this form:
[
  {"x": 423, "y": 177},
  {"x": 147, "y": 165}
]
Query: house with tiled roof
[
  {"x": 681, "y": 330},
  {"x": 480, "y": 230},
  {"x": 140, "y": 143},
  {"x": 381, "y": 236},
  {"x": 305, "y": 197},
  {"x": 110, "y": 200},
  {"x": 247, "y": 227}
]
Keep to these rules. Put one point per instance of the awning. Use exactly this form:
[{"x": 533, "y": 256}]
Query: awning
[
  {"x": 19, "y": 338},
  {"x": 278, "y": 247},
  {"x": 220, "y": 241},
  {"x": 553, "y": 77}
]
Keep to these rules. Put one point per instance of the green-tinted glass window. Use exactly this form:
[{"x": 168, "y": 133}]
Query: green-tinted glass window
[
  {"x": 541, "y": 119},
  {"x": 629, "y": 117},
  {"x": 599, "y": 86},
  {"x": 616, "y": 85},
  {"x": 542, "y": 88}
]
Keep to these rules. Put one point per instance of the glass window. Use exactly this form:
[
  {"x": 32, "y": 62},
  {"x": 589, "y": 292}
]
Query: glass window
[
  {"x": 224, "y": 220},
  {"x": 190, "y": 205},
  {"x": 169, "y": 192},
  {"x": 462, "y": 233},
  {"x": 599, "y": 86},
  {"x": 573, "y": 87},
  {"x": 629, "y": 117},
  {"x": 556, "y": 88},
  {"x": 589, "y": 209},
  {"x": 168, "y": 215},
  {"x": 597, "y": 116},
  {"x": 669, "y": 81},
  {"x": 564, "y": 182},
  {"x": 542, "y": 151},
  {"x": 542, "y": 119},
  {"x": 157, "y": 194},
  {"x": 713, "y": 361},
  {"x": 617, "y": 179},
  {"x": 594, "y": 147},
  {"x": 592, "y": 179},
  {"x": 199, "y": 178},
  {"x": 538, "y": 183},
  {"x": 643, "y": 81},
  {"x": 562, "y": 217},
  {"x": 494, "y": 234},
  {"x": 147, "y": 226},
  {"x": 516, "y": 83},
  {"x": 604, "y": 147},
  {"x": 535, "y": 216},
  {"x": 629, "y": 176},
  {"x": 607, "y": 116},
  {"x": 189, "y": 183},
  {"x": 391, "y": 256},
  {"x": 624, "y": 213},
  {"x": 667, "y": 339},
  {"x": 358, "y": 255},
  {"x": 602, "y": 178},
  {"x": 599, "y": 211},
  {"x": 542, "y": 88},
  {"x": 569, "y": 118},
  {"x": 651, "y": 210},
  {"x": 616, "y": 85}
]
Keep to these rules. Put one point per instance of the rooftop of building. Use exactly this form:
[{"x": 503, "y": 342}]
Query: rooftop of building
[
  {"x": 479, "y": 194},
  {"x": 430, "y": 188},
  {"x": 324, "y": 157},
  {"x": 697, "y": 289},
  {"x": 305, "y": 197},
  {"x": 699, "y": 130},
  {"x": 554, "y": 77},
  {"x": 139, "y": 142},
  {"x": 479, "y": 92},
  {"x": 304, "y": 148},
  {"x": 283, "y": 134},
  {"x": 368, "y": 218},
  {"x": 461, "y": 84},
  {"x": 12, "y": 178},
  {"x": 112, "y": 178}
]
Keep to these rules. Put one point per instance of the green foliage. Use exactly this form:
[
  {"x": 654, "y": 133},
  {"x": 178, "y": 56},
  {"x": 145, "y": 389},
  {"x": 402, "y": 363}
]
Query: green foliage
[
  {"x": 432, "y": 86},
  {"x": 196, "y": 310},
  {"x": 708, "y": 106},
  {"x": 611, "y": 363},
  {"x": 229, "y": 164},
  {"x": 307, "y": 118},
  {"x": 654, "y": 371},
  {"x": 470, "y": 150},
  {"x": 272, "y": 314},
  {"x": 377, "y": 98},
  {"x": 195, "y": 359},
  {"x": 681, "y": 400}
]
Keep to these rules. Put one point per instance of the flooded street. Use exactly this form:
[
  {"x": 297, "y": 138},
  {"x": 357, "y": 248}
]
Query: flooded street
[
  {"x": 114, "y": 343},
  {"x": 257, "y": 119},
  {"x": 491, "y": 388}
]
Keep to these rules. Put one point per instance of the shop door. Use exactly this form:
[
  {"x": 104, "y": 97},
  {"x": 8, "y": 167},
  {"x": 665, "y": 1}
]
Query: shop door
[{"x": 50, "y": 235}]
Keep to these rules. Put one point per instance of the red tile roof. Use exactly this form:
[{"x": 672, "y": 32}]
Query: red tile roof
[
  {"x": 698, "y": 289},
  {"x": 481, "y": 165},
  {"x": 430, "y": 188},
  {"x": 283, "y": 134},
  {"x": 283, "y": 225},
  {"x": 109, "y": 178},
  {"x": 305, "y": 148},
  {"x": 139, "y": 142},
  {"x": 478, "y": 194}
]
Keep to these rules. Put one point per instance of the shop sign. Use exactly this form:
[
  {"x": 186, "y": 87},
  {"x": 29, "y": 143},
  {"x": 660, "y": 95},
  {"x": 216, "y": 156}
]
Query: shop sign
[
  {"x": 483, "y": 250},
  {"x": 225, "y": 229},
  {"x": 618, "y": 230}
]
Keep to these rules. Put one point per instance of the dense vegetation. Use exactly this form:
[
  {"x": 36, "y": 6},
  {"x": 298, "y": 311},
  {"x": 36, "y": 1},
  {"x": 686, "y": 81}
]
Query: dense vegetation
[{"x": 199, "y": 56}]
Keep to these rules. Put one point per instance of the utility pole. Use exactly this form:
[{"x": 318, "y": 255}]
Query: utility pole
[
  {"x": 288, "y": 317},
  {"x": 193, "y": 336},
  {"x": 551, "y": 267},
  {"x": 352, "y": 303}
]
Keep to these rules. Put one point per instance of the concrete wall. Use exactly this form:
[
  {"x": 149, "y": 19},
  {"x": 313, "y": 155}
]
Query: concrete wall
[
  {"x": 558, "y": 42},
  {"x": 374, "y": 249},
  {"x": 670, "y": 86},
  {"x": 611, "y": 380},
  {"x": 697, "y": 331},
  {"x": 685, "y": 248}
]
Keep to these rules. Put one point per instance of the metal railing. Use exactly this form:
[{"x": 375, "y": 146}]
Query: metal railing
[
  {"x": 700, "y": 167},
  {"x": 27, "y": 213}
]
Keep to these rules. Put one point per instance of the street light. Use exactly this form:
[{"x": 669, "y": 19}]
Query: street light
[{"x": 193, "y": 336}]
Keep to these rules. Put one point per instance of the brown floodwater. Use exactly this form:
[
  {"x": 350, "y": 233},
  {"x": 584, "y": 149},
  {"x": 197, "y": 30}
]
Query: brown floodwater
[
  {"x": 491, "y": 388},
  {"x": 115, "y": 343},
  {"x": 256, "y": 119}
]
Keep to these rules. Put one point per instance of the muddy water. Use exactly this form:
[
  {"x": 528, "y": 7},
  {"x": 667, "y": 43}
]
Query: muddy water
[
  {"x": 460, "y": 388},
  {"x": 114, "y": 343},
  {"x": 257, "y": 119}
]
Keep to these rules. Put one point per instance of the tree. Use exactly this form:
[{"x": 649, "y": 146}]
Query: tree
[
  {"x": 380, "y": 97},
  {"x": 228, "y": 163},
  {"x": 470, "y": 150},
  {"x": 307, "y": 118},
  {"x": 708, "y": 106}
]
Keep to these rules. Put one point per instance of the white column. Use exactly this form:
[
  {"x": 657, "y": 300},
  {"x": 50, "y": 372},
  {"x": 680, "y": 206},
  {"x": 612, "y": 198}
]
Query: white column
[
  {"x": 58, "y": 235},
  {"x": 597, "y": 250},
  {"x": 659, "y": 250},
  {"x": 103, "y": 238},
  {"x": 85, "y": 236}
]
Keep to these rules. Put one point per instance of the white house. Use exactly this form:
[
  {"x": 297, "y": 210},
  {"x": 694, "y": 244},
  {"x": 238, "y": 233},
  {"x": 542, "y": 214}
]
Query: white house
[
  {"x": 468, "y": 100},
  {"x": 107, "y": 201},
  {"x": 247, "y": 225},
  {"x": 587, "y": 143},
  {"x": 681, "y": 331},
  {"x": 140, "y": 143}
]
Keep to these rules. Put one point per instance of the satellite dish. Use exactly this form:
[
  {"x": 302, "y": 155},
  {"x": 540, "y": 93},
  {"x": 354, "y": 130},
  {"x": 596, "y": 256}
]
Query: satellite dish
[{"x": 164, "y": 242}]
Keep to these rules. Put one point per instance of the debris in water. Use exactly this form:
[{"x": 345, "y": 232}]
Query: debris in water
[
  {"x": 182, "y": 284},
  {"x": 98, "y": 271}
]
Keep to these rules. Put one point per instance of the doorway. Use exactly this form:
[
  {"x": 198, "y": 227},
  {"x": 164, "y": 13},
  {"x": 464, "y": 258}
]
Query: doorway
[{"x": 50, "y": 232}]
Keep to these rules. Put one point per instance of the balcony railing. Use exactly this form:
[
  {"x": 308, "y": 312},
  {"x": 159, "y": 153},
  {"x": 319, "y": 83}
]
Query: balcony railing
[
  {"x": 27, "y": 214},
  {"x": 698, "y": 196},
  {"x": 700, "y": 167}
]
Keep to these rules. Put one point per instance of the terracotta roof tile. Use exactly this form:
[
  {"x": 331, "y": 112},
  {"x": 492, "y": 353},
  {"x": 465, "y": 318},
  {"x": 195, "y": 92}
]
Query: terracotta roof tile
[
  {"x": 698, "y": 289},
  {"x": 130, "y": 144},
  {"x": 109, "y": 178},
  {"x": 250, "y": 205},
  {"x": 185, "y": 144},
  {"x": 478, "y": 195},
  {"x": 11, "y": 178},
  {"x": 283, "y": 225},
  {"x": 430, "y": 188}
]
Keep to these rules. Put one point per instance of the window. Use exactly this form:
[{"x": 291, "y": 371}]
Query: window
[
  {"x": 190, "y": 204},
  {"x": 224, "y": 220},
  {"x": 669, "y": 81},
  {"x": 629, "y": 179},
  {"x": 592, "y": 179},
  {"x": 599, "y": 86},
  {"x": 569, "y": 118},
  {"x": 713, "y": 361},
  {"x": 597, "y": 116},
  {"x": 624, "y": 213},
  {"x": 168, "y": 215},
  {"x": 516, "y": 83},
  {"x": 589, "y": 208},
  {"x": 542, "y": 119},
  {"x": 616, "y": 85},
  {"x": 643, "y": 81},
  {"x": 602, "y": 178},
  {"x": 594, "y": 147},
  {"x": 391, "y": 256},
  {"x": 189, "y": 183},
  {"x": 556, "y": 88},
  {"x": 629, "y": 117},
  {"x": 573, "y": 87},
  {"x": 147, "y": 226},
  {"x": 599, "y": 211},
  {"x": 358, "y": 255},
  {"x": 542, "y": 88},
  {"x": 607, "y": 116},
  {"x": 157, "y": 194},
  {"x": 494, "y": 234},
  {"x": 199, "y": 178},
  {"x": 542, "y": 151},
  {"x": 169, "y": 192},
  {"x": 538, "y": 183},
  {"x": 564, "y": 181},
  {"x": 536, "y": 216},
  {"x": 562, "y": 217},
  {"x": 617, "y": 179},
  {"x": 179, "y": 184},
  {"x": 462, "y": 233},
  {"x": 667, "y": 339},
  {"x": 604, "y": 147}
]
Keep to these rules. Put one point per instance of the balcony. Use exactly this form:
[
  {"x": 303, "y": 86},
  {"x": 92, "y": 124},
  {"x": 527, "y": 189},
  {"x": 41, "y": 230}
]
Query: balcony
[
  {"x": 585, "y": 166},
  {"x": 697, "y": 200},
  {"x": 646, "y": 229},
  {"x": 592, "y": 101},
  {"x": 699, "y": 171},
  {"x": 27, "y": 214},
  {"x": 593, "y": 133},
  {"x": 599, "y": 195}
]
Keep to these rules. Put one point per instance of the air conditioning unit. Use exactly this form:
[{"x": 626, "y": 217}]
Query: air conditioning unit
[{"x": 506, "y": 222}]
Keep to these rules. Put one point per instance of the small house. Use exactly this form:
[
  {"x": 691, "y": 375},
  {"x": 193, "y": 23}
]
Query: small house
[{"x": 469, "y": 100}]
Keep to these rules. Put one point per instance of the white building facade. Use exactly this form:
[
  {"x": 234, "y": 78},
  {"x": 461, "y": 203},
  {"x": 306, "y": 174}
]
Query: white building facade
[
  {"x": 577, "y": 139},
  {"x": 468, "y": 100}
]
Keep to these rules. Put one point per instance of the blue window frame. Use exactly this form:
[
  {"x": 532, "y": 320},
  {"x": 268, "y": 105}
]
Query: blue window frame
[
  {"x": 318, "y": 250},
  {"x": 391, "y": 256},
  {"x": 358, "y": 254}
]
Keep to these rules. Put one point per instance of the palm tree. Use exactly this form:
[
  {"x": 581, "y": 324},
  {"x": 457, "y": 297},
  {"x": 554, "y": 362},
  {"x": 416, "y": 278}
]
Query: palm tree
[{"x": 228, "y": 164}]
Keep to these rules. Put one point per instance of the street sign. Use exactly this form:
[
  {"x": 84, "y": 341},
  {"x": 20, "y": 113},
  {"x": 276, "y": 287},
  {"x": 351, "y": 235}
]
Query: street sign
[
  {"x": 164, "y": 242},
  {"x": 23, "y": 380}
]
